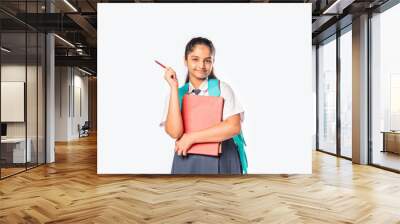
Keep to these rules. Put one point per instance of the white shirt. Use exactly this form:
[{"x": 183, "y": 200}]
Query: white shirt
[{"x": 232, "y": 105}]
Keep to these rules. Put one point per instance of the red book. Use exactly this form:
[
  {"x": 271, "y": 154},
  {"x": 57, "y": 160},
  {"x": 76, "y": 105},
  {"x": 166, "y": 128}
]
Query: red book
[{"x": 199, "y": 113}]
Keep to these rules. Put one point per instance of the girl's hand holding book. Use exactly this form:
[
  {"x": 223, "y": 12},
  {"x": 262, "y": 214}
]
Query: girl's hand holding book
[{"x": 183, "y": 144}]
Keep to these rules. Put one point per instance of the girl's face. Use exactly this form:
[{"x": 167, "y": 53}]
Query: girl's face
[{"x": 200, "y": 61}]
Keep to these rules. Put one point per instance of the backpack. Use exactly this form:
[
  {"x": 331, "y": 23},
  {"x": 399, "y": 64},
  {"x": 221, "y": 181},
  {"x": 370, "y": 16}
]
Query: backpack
[{"x": 214, "y": 90}]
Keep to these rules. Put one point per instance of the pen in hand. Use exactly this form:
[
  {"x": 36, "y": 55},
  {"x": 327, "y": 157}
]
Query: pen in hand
[{"x": 159, "y": 63}]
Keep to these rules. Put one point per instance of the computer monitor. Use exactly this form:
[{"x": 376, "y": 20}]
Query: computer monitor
[{"x": 3, "y": 129}]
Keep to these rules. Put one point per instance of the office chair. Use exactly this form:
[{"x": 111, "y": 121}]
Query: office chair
[{"x": 84, "y": 130}]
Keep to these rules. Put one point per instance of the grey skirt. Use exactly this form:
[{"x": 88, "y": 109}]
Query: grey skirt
[{"x": 227, "y": 163}]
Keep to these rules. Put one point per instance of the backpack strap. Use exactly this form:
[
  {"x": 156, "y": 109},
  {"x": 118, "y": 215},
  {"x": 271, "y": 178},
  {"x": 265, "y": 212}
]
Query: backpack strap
[
  {"x": 181, "y": 92},
  {"x": 240, "y": 143},
  {"x": 214, "y": 87}
]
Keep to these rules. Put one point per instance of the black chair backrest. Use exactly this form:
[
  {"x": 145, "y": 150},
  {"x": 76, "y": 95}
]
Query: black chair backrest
[{"x": 86, "y": 125}]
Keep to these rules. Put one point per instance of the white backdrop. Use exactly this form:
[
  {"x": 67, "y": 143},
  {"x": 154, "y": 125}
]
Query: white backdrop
[{"x": 263, "y": 51}]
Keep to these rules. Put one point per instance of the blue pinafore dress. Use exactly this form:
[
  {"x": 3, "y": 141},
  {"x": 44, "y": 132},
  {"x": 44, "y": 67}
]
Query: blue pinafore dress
[{"x": 228, "y": 162}]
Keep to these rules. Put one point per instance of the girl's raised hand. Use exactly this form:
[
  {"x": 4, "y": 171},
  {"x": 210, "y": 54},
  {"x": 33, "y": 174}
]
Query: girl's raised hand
[{"x": 170, "y": 76}]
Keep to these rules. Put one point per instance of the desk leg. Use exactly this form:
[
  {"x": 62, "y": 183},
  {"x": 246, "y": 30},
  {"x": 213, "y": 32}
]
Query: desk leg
[{"x": 384, "y": 143}]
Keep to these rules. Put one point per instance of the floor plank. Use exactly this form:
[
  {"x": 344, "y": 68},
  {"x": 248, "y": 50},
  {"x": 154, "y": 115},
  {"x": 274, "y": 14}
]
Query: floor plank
[{"x": 70, "y": 191}]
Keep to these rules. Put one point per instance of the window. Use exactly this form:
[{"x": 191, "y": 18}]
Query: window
[
  {"x": 385, "y": 88},
  {"x": 22, "y": 77},
  {"x": 327, "y": 96},
  {"x": 346, "y": 94}
]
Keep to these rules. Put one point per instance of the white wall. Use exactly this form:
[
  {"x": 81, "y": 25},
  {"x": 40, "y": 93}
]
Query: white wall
[
  {"x": 314, "y": 88},
  {"x": 268, "y": 69},
  {"x": 68, "y": 83},
  {"x": 15, "y": 72},
  {"x": 61, "y": 103}
]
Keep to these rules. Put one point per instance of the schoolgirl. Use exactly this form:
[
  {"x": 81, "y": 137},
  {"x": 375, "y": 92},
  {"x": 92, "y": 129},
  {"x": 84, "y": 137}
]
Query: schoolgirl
[{"x": 199, "y": 60}]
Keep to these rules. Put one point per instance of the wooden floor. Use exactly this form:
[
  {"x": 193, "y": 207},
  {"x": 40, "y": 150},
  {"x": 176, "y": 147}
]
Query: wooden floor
[
  {"x": 8, "y": 171},
  {"x": 70, "y": 191},
  {"x": 5, "y": 172},
  {"x": 387, "y": 159}
]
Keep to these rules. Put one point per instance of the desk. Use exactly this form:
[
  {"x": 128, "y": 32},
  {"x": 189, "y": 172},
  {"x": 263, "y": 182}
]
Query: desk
[
  {"x": 391, "y": 141},
  {"x": 13, "y": 150}
]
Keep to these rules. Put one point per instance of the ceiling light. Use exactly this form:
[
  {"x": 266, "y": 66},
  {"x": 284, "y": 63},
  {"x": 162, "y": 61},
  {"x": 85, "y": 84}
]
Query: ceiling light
[
  {"x": 64, "y": 40},
  {"x": 5, "y": 49},
  {"x": 70, "y": 5},
  {"x": 338, "y": 6},
  {"x": 84, "y": 71}
]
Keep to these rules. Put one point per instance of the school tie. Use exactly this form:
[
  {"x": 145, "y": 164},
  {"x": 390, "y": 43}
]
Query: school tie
[{"x": 196, "y": 91}]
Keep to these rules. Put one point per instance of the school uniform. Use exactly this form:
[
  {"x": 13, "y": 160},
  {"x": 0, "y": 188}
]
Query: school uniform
[{"x": 228, "y": 162}]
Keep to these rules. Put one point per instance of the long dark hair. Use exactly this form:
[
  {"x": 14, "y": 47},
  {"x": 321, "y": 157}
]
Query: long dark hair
[{"x": 199, "y": 41}]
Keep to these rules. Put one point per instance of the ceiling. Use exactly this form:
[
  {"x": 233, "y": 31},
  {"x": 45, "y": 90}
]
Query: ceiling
[{"x": 76, "y": 22}]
